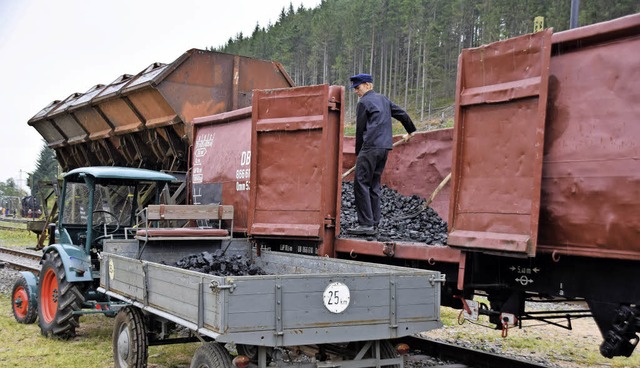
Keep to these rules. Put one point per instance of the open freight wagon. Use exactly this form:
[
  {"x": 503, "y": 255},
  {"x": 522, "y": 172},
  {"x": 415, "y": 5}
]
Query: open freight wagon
[
  {"x": 543, "y": 201},
  {"x": 329, "y": 305}
]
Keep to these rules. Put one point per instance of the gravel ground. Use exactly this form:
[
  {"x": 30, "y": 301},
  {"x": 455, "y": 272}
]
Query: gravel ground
[
  {"x": 563, "y": 345},
  {"x": 7, "y": 278}
]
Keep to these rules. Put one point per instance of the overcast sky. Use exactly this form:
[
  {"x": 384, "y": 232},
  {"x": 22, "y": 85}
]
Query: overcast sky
[{"x": 51, "y": 49}]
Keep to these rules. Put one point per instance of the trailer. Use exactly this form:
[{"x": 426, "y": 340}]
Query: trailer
[{"x": 324, "y": 305}]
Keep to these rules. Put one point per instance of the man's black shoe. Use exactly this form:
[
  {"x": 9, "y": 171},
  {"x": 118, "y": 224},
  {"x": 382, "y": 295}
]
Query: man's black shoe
[{"x": 362, "y": 230}]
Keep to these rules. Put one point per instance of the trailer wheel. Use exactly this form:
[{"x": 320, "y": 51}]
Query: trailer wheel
[
  {"x": 130, "y": 344},
  {"x": 23, "y": 301},
  {"x": 211, "y": 355},
  {"x": 58, "y": 299}
]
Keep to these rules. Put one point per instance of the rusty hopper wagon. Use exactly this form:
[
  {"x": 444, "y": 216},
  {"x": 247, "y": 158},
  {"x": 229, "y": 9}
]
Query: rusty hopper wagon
[{"x": 143, "y": 120}]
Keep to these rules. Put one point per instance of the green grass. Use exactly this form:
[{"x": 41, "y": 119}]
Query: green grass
[
  {"x": 17, "y": 238},
  {"x": 559, "y": 346},
  {"x": 24, "y": 346}
]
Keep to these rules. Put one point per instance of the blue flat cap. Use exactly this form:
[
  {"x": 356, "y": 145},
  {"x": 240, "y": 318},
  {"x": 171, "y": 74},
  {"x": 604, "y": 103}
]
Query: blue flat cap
[{"x": 358, "y": 79}]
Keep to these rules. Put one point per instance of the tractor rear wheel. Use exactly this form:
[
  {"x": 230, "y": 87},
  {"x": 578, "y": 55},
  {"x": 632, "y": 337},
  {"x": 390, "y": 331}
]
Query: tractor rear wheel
[
  {"x": 211, "y": 355},
  {"x": 23, "y": 301},
  {"x": 58, "y": 300},
  {"x": 130, "y": 344}
]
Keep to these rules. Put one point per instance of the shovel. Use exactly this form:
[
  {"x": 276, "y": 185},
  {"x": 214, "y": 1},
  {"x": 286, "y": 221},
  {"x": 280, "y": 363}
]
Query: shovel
[{"x": 429, "y": 200}]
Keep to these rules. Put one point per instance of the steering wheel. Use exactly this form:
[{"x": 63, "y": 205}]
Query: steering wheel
[{"x": 97, "y": 226}]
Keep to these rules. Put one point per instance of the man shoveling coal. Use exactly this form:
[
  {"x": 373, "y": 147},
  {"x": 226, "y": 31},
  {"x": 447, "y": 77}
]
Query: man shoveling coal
[{"x": 373, "y": 143}]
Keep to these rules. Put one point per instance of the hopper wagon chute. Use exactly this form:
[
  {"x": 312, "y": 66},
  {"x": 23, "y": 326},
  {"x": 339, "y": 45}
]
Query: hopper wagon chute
[{"x": 143, "y": 120}]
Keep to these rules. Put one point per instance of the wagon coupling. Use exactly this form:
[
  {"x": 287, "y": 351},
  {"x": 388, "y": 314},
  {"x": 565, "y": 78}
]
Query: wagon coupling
[{"x": 216, "y": 287}]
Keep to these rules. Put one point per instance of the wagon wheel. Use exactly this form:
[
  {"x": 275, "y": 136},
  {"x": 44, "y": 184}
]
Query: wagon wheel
[
  {"x": 23, "y": 301},
  {"x": 58, "y": 299},
  {"x": 211, "y": 355},
  {"x": 129, "y": 340}
]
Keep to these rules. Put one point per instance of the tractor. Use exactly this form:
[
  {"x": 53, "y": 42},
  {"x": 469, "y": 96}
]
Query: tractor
[{"x": 96, "y": 204}]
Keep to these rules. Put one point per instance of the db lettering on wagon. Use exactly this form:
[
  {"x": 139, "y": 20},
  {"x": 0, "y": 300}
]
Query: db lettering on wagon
[
  {"x": 245, "y": 158},
  {"x": 244, "y": 173}
]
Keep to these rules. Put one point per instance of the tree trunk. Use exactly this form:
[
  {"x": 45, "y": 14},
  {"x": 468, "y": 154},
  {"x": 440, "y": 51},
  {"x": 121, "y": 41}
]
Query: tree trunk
[{"x": 406, "y": 79}]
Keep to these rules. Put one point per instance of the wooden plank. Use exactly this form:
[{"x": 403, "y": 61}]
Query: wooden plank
[{"x": 189, "y": 212}]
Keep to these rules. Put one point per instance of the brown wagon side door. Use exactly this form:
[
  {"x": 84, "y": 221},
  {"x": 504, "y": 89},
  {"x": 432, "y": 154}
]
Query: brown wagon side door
[
  {"x": 501, "y": 101},
  {"x": 296, "y": 159}
]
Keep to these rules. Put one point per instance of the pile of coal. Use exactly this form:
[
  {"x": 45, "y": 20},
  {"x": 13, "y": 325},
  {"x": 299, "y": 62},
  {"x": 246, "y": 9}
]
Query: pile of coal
[
  {"x": 219, "y": 264},
  {"x": 396, "y": 223}
]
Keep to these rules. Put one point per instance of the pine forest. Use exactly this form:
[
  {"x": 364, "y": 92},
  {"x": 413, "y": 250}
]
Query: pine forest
[{"x": 410, "y": 47}]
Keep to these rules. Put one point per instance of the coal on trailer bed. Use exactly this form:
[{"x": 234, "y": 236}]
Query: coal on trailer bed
[
  {"x": 220, "y": 264},
  {"x": 397, "y": 222}
]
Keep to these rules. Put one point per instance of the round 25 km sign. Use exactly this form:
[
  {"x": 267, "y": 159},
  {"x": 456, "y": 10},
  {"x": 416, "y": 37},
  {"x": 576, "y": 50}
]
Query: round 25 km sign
[{"x": 336, "y": 297}]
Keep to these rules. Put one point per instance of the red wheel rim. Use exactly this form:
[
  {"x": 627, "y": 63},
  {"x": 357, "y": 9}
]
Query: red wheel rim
[
  {"x": 20, "y": 302},
  {"x": 49, "y": 295}
]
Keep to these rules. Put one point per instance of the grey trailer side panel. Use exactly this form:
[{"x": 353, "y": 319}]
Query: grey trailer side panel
[{"x": 287, "y": 305}]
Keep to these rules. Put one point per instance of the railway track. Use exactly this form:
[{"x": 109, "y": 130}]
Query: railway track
[
  {"x": 20, "y": 260},
  {"x": 20, "y": 223},
  {"x": 8, "y": 223},
  {"x": 464, "y": 357}
]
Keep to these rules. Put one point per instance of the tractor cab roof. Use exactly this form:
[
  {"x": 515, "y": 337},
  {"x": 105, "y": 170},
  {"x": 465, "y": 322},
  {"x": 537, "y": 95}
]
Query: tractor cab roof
[{"x": 117, "y": 174}]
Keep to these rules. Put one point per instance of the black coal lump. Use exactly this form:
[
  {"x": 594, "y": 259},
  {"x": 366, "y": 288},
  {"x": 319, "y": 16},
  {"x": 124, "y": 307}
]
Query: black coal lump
[
  {"x": 426, "y": 227},
  {"x": 217, "y": 263}
]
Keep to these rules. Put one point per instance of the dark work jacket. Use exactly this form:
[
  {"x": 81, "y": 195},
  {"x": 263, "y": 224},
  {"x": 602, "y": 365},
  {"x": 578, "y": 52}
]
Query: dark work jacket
[{"x": 373, "y": 121}]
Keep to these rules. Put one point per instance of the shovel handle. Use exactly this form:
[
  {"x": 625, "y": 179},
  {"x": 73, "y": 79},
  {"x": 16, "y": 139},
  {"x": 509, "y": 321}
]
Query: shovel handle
[
  {"x": 438, "y": 189},
  {"x": 346, "y": 173}
]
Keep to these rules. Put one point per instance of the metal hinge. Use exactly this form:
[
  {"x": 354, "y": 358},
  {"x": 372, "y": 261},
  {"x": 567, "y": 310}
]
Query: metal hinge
[
  {"x": 329, "y": 222},
  {"x": 334, "y": 104},
  {"x": 216, "y": 287},
  {"x": 437, "y": 278}
]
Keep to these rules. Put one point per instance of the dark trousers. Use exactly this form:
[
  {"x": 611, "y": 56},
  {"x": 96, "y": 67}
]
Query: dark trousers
[{"x": 366, "y": 184}]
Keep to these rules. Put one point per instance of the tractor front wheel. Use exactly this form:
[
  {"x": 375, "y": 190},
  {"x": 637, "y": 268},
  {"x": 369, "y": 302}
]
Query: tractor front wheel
[
  {"x": 58, "y": 300},
  {"x": 23, "y": 300}
]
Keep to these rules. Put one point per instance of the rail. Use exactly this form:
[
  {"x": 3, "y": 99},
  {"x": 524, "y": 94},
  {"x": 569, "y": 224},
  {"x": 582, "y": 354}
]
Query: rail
[
  {"x": 20, "y": 260},
  {"x": 469, "y": 357}
]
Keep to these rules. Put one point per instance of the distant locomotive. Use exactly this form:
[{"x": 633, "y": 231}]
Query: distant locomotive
[{"x": 30, "y": 207}]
